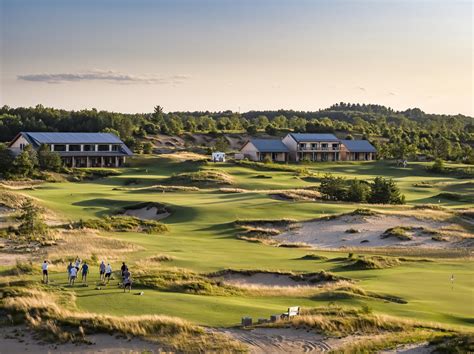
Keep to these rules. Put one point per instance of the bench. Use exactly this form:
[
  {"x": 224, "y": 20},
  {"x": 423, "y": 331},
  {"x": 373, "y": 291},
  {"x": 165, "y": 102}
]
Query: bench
[{"x": 292, "y": 311}]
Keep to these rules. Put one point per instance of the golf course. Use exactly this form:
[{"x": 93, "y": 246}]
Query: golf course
[{"x": 208, "y": 206}]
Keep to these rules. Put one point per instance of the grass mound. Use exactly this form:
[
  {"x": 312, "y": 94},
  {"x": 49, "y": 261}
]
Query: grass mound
[
  {"x": 429, "y": 207},
  {"x": 202, "y": 178},
  {"x": 371, "y": 262},
  {"x": 160, "y": 188},
  {"x": 314, "y": 257},
  {"x": 400, "y": 232},
  {"x": 364, "y": 212},
  {"x": 161, "y": 258},
  {"x": 182, "y": 281},
  {"x": 297, "y": 194},
  {"x": 265, "y": 222},
  {"x": 124, "y": 224},
  {"x": 88, "y": 174},
  {"x": 456, "y": 197},
  {"x": 232, "y": 190},
  {"x": 311, "y": 278}
]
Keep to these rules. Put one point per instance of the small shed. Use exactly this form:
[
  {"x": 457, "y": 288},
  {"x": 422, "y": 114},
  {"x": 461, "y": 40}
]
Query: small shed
[{"x": 218, "y": 156}]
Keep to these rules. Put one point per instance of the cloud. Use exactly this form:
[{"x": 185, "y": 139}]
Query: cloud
[
  {"x": 108, "y": 76},
  {"x": 392, "y": 94},
  {"x": 361, "y": 88}
]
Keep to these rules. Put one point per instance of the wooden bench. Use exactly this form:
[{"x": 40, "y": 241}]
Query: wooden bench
[{"x": 292, "y": 311}]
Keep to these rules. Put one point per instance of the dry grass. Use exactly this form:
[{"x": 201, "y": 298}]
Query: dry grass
[
  {"x": 203, "y": 178},
  {"x": 42, "y": 311},
  {"x": 86, "y": 244}
]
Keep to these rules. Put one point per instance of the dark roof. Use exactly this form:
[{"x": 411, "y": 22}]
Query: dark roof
[
  {"x": 74, "y": 138},
  {"x": 269, "y": 145},
  {"x": 358, "y": 145},
  {"x": 299, "y": 137},
  {"x": 36, "y": 139}
]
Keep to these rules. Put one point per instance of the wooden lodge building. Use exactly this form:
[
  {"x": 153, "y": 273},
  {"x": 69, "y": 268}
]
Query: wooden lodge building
[
  {"x": 308, "y": 147},
  {"x": 77, "y": 149}
]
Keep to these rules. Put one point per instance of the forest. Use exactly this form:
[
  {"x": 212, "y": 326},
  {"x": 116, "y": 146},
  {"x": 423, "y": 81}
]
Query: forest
[{"x": 396, "y": 134}]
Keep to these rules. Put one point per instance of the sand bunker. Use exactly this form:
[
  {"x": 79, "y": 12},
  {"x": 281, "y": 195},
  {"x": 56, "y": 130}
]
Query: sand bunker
[
  {"x": 281, "y": 340},
  {"x": 147, "y": 213},
  {"x": 274, "y": 279},
  {"x": 366, "y": 231}
]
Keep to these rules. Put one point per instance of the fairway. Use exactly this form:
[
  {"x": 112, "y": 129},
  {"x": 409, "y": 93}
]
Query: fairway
[{"x": 202, "y": 239}]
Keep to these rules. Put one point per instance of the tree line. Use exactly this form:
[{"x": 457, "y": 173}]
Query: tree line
[{"x": 395, "y": 134}]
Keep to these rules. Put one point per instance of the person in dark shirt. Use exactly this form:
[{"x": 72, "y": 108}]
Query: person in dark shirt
[{"x": 85, "y": 271}]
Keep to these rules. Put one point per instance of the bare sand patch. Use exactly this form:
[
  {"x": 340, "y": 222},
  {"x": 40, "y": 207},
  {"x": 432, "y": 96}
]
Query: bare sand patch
[
  {"x": 280, "y": 340},
  {"x": 352, "y": 231},
  {"x": 269, "y": 279},
  {"x": 148, "y": 213},
  {"x": 28, "y": 342}
]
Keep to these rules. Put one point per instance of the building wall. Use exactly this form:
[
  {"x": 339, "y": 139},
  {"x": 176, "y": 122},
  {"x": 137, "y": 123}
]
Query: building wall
[
  {"x": 16, "y": 146},
  {"x": 250, "y": 151},
  {"x": 292, "y": 145}
]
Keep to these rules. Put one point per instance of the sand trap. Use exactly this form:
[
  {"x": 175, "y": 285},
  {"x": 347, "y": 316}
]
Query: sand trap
[
  {"x": 333, "y": 233},
  {"x": 102, "y": 343},
  {"x": 147, "y": 213},
  {"x": 280, "y": 340}
]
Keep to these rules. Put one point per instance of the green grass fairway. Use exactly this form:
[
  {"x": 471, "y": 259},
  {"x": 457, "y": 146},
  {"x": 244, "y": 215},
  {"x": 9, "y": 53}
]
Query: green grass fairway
[{"x": 202, "y": 239}]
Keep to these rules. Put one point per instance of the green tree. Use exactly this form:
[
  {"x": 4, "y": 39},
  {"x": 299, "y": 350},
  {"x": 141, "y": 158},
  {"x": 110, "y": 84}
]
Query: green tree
[
  {"x": 385, "y": 191},
  {"x": 25, "y": 163},
  {"x": 148, "y": 148},
  {"x": 221, "y": 144},
  {"x": 49, "y": 160},
  {"x": 333, "y": 188},
  {"x": 32, "y": 224},
  {"x": 6, "y": 160},
  {"x": 358, "y": 191},
  {"x": 252, "y": 129}
]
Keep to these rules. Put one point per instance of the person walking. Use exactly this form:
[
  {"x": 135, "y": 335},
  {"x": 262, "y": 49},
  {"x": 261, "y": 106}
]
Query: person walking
[
  {"x": 85, "y": 271},
  {"x": 101, "y": 271},
  {"x": 44, "y": 267},
  {"x": 127, "y": 280},
  {"x": 69, "y": 267},
  {"x": 73, "y": 275},
  {"x": 123, "y": 268},
  {"x": 108, "y": 272},
  {"x": 77, "y": 263}
]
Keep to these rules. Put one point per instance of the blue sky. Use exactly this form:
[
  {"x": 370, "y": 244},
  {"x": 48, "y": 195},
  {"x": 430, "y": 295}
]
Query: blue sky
[{"x": 220, "y": 54}]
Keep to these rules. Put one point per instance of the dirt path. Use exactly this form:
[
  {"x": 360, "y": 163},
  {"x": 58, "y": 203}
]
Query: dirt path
[{"x": 280, "y": 340}]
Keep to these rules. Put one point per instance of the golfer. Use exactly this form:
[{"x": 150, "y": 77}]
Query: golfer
[
  {"x": 85, "y": 271},
  {"x": 72, "y": 276},
  {"x": 108, "y": 272},
  {"x": 44, "y": 267}
]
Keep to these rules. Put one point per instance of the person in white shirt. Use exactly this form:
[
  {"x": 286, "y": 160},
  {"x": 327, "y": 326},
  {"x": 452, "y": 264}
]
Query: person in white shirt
[
  {"x": 44, "y": 267},
  {"x": 108, "y": 272},
  {"x": 73, "y": 275}
]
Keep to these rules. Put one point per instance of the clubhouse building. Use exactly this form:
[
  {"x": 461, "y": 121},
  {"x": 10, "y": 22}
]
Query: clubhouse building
[
  {"x": 77, "y": 149},
  {"x": 308, "y": 147}
]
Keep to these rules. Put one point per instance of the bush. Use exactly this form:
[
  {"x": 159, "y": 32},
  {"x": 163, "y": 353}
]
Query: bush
[
  {"x": 385, "y": 191},
  {"x": 124, "y": 224}
]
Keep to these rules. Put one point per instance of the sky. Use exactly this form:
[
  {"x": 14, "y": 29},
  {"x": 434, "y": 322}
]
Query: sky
[{"x": 197, "y": 55}]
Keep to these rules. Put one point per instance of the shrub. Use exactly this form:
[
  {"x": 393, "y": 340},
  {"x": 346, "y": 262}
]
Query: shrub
[
  {"x": 385, "y": 191},
  {"x": 124, "y": 224}
]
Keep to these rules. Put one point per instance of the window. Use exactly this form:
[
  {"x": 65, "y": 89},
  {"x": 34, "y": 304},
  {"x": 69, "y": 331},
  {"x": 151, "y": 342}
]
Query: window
[
  {"x": 60, "y": 147},
  {"x": 314, "y": 146},
  {"x": 324, "y": 146},
  {"x": 89, "y": 147},
  {"x": 335, "y": 146},
  {"x": 74, "y": 147},
  {"x": 103, "y": 147},
  {"x": 302, "y": 146},
  {"x": 115, "y": 147}
]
